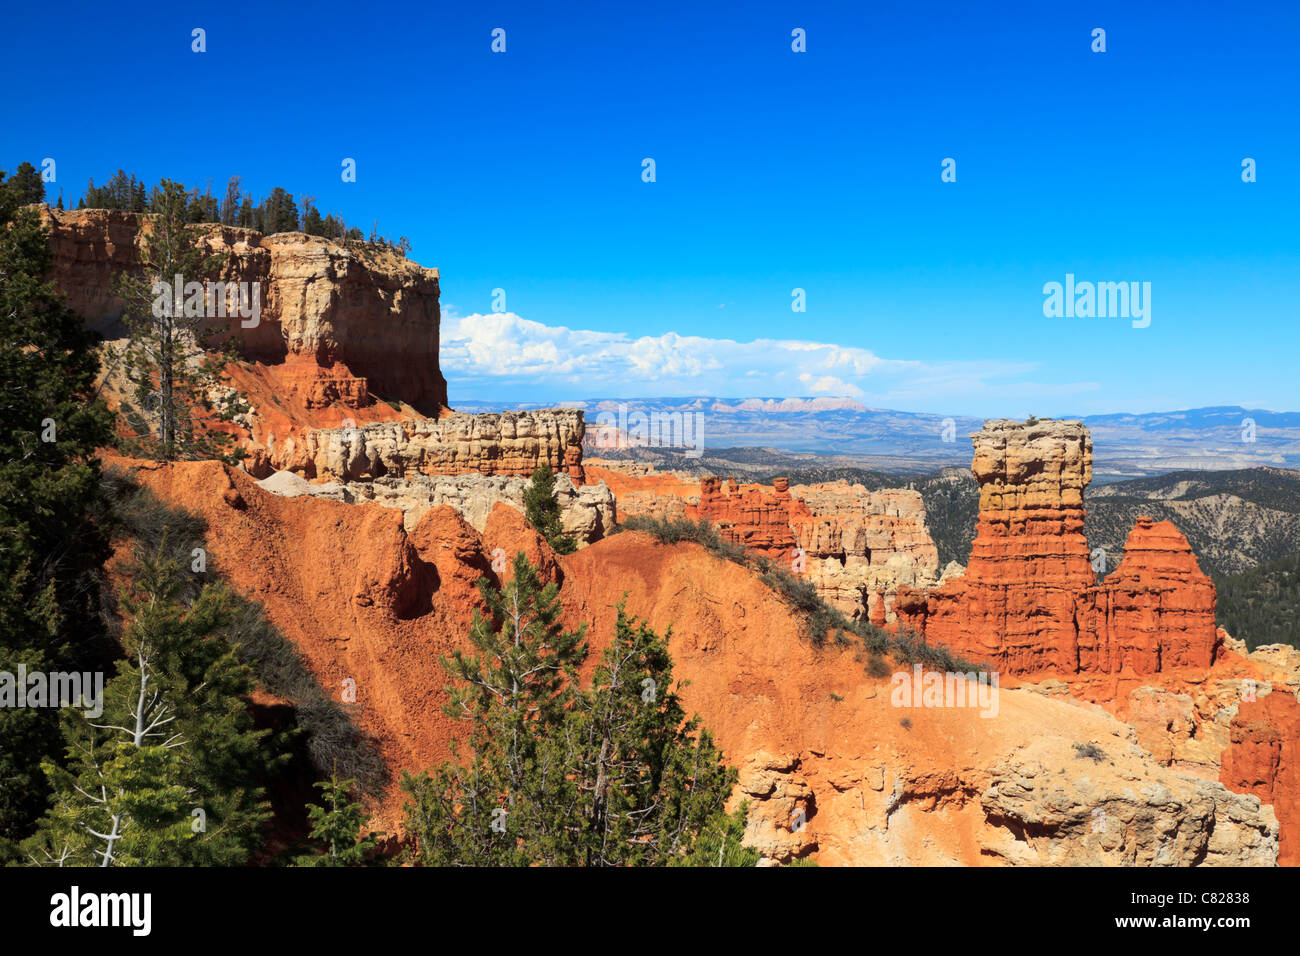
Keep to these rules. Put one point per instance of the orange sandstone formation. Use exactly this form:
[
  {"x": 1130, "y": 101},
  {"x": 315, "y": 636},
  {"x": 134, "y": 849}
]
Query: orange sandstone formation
[
  {"x": 642, "y": 490},
  {"x": 367, "y": 318},
  {"x": 335, "y": 326},
  {"x": 1155, "y": 611},
  {"x": 847, "y": 541},
  {"x": 860, "y": 543},
  {"x": 827, "y": 765},
  {"x": 1029, "y": 603},
  {"x": 749, "y": 516},
  {"x": 1264, "y": 759}
]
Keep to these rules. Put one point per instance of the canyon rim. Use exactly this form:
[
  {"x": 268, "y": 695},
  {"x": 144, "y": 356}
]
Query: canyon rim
[{"x": 525, "y": 440}]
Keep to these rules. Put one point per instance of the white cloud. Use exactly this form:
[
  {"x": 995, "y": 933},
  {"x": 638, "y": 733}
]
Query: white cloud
[
  {"x": 505, "y": 349},
  {"x": 831, "y": 385}
]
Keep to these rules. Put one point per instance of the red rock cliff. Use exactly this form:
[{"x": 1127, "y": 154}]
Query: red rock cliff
[
  {"x": 365, "y": 317},
  {"x": 1264, "y": 759},
  {"x": 861, "y": 546},
  {"x": 850, "y": 543},
  {"x": 749, "y": 516}
]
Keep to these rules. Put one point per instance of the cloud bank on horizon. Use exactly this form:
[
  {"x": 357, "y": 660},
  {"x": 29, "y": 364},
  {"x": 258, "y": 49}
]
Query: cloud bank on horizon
[{"x": 503, "y": 354}]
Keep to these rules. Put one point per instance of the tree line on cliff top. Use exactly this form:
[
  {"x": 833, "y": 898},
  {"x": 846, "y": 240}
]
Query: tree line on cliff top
[
  {"x": 276, "y": 212},
  {"x": 165, "y": 765}
]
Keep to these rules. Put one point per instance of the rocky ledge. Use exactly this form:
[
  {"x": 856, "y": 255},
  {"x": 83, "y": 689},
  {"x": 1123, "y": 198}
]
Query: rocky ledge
[{"x": 586, "y": 512}]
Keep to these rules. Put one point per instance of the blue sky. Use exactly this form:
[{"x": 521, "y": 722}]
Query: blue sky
[{"x": 775, "y": 170}]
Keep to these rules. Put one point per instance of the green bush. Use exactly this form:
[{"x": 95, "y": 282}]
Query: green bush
[{"x": 1089, "y": 752}]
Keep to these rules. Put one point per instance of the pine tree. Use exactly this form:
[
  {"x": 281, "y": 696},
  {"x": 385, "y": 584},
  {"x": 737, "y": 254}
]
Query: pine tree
[
  {"x": 230, "y": 207},
  {"x": 649, "y": 781},
  {"x": 166, "y": 775},
  {"x": 611, "y": 776},
  {"x": 719, "y": 843},
  {"x": 336, "y": 825},
  {"x": 195, "y": 210},
  {"x": 25, "y": 186},
  {"x": 119, "y": 802},
  {"x": 211, "y": 207},
  {"x": 511, "y": 692},
  {"x": 279, "y": 212},
  {"x": 52, "y": 542},
  {"x": 168, "y": 359},
  {"x": 313, "y": 224},
  {"x": 288, "y": 219},
  {"x": 542, "y": 509},
  {"x": 120, "y": 190}
]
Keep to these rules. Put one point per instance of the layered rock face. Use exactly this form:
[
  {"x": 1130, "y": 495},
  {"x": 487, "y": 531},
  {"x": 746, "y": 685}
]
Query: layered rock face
[
  {"x": 1264, "y": 759},
  {"x": 855, "y": 546},
  {"x": 1028, "y": 602},
  {"x": 749, "y": 516},
  {"x": 861, "y": 545},
  {"x": 1154, "y": 612},
  {"x": 369, "y": 311},
  {"x": 587, "y": 512},
  {"x": 643, "y": 490},
  {"x": 336, "y": 323},
  {"x": 1120, "y": 814},
  {"x": 1030, "y": 527},
  {"x": 509, "y": 443}
]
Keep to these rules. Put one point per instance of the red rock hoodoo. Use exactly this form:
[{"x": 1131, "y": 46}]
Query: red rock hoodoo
[
  {"x": 749, "y": 516},
  {"x": 1029, "y": 602}
]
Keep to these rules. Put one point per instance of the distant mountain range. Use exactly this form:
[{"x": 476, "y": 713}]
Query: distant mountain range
[
  {"x": 1234, "y": 520},
  {"x": 845, "y": 432}
]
